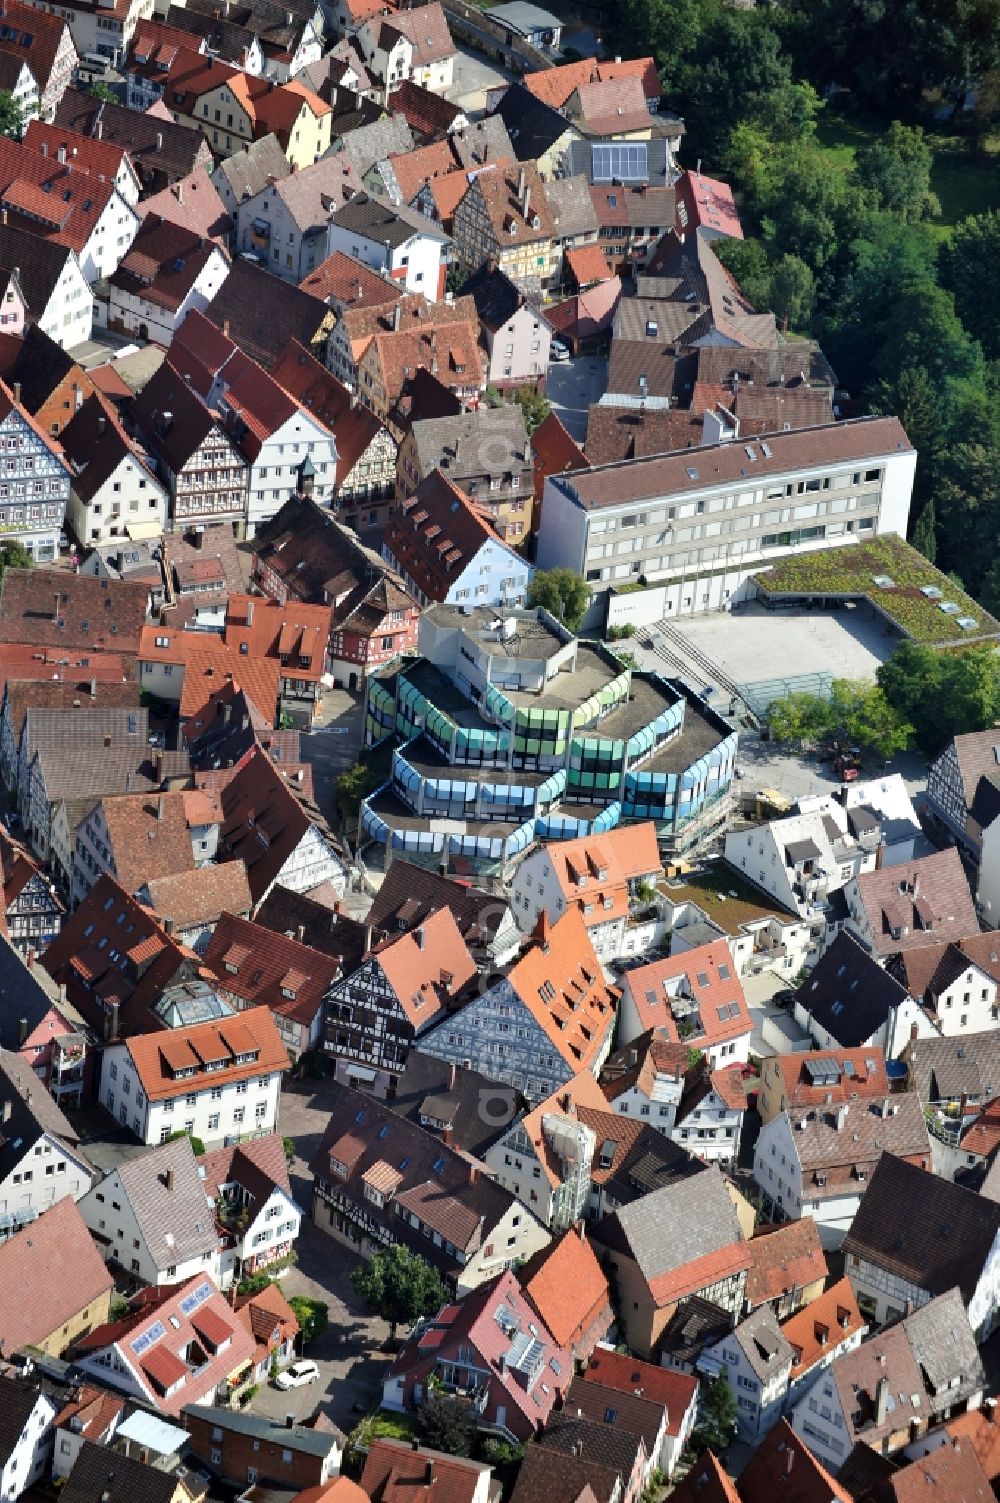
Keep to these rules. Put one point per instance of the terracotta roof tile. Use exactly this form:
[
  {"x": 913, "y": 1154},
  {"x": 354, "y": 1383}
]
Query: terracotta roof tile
[
  {"x": 561, "y": 983},
  {"x": 49, "y": 1273},
  {"x": 783, "y": 1467},
  {"x": 269, "y": 967},
  {"x": 191, "y": 1046},
  {"x": 565, "y": 1284},
  {"x": 782, "y": 1259},
  {"x": 676, "y": 1391},
  {"x": 701, "y": 987},
  {"x": 823, "y": 1325}
]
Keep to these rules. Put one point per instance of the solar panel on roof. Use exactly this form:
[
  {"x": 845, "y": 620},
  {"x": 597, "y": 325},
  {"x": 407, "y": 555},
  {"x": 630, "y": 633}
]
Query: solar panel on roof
[{"x": 619, "y": 161}]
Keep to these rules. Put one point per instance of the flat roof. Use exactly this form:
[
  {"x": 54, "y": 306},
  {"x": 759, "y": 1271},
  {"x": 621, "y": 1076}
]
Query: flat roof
[
  {"x": 698, "y": 737},
  {"x": 444, "y": 695},
  {"x": 532, "y": 637},
  {"x": 570, "y": 688},
  {"x": 399, "y": 816},
  {"x": 894, "y": 578},
  {"x": 523, "y": 16},
  {"x": 646, "y": 701},
  {"x": 425, "y": 759}
]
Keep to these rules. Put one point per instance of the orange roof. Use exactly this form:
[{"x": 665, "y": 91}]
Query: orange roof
[
  {"x": 784, "y": 1258},
  {"x": 427, "y": 967},
  {"x": 447, "y": 191},
  {"x": 981, "y": 1429},
  {"x": 783, "y": 1467},
  {"x": 84, "y": 152},
  {"x": 822, "y": 1326},
  {"x": 553, "y": 86},
  {"x": 561, "y": 983},
  {"x": 157, "y": 1056},
  {"x": 594, "y": 870},
  {"x": 699, "y": 1273},
  {"x": 865, "y": 1077},
  {"x": 569, "y": 1289},
  {"x": 984, "y": 1134},
  {"x": 728, "y": 1086},
  {"x": 588, "y": 264},
  {"x": 207, "y": 668},
  {"x": 706, "y": 989},
  {"x": 293, "y": 632},
  {"x": 675, "y": 1391},
  {"x": 412, "y": 169},
  {"x": 582, "y": 1090}
]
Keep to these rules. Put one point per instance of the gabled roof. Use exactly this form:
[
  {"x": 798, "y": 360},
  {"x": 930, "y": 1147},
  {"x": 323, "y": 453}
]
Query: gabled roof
[
  {"x": 263, "y": 312},
  {"x": 442, "y": 1096},
  {"x": 782, "y": 1466},
  {"x": 593, "y": 871},
  {"x": 919, "y": 903},
  {"x": 100, "y": 614},
  {"x": 438, "y": 1186},
  {"x": 257, "y": 802},
  {"x": 945, "y": 1245},
  {"x": 84, "y": 152},
  {"x": 825, "y": 1322},
  {"x": 555, "y": 85},
  {"x": 33, "y": 1113},
  {"x": 341, "y": 281},
  {"x": 426, "y": 29},
  {"x": 426, "y": 113},
  {"x": 34, "y": 36},
  {"x": 166, "y": 1194},
  {"x": 202, "y": 896},
  {"x": 682, "y": 1238},
  {"x": 107, "y": 995},
  {"x": 565, "y": 1284},
  {"x": 378, "y": 220},
  {"x": 700, "y": 987},
  {"x": 560, "y": 983},
  {"x": 265, "y": 969},
  {"x": 784, "y": 1258},
  {"x": 435, "y": 534},
  {"x": 173, "y": 1063},
  {"x": 626, "y": 1374},
  {"x": 548, "y": 1476},
  {"x": 52, "y": 198},
  {"x": 409, "y": 894},
  {"x": 96, "y": 445},
  {"x": 50, "y": 1271},
  {"x": 849, "y": 994},
  {"x": 193, "y": 204},
  {"x": 818, "y": 1076},
  {"x": 167, "y": 1334},
  {"x": 103, "y": 1475},
  {"x": 832, "y": 1144},
  {"x": 148, "y": 837},
  {"x": 610, "y": 105},
  {"x": 426, "y": 968},
  {"x": 318, "y": 390},
  {"x": 397, "y": 1471},
  {"x": 248, "y": 172},
  {"x": 160, "y": 149},
  {"x": 533, "y": 127},
  {"x": 708, "y": 1482},
  {"x": 708, "y": 204},
  {"x": 256, "y": 1168}
]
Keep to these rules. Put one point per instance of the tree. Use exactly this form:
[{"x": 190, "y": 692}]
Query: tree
[
  {"x": 896, "y": 168},
  {"x": 103, "y": 91},
  {"x": 798, "y": 718},
  {"x": 942, "y": 694},
  {"x": 352, "y": 786},
  {"x": 288, "y": 1144},
  {"x": 869, "y": 720},
  {"x": 793, "y": 288},
  {"x": 534, "y": 405},
  {"x": 968, "y": 510},
  {"x": 748, "y": 262},
  {"x": 924, "y": 537},
  {"x": 562, "y": 593},
  {"x": 970, "y": 269},
  {"x": 313, "y": 1316},
  {"x": 400, "y": 1286},
  {"x": 11, "y": 118},
  {"x": 445, "y": 1425},
  {"x": 716, "y": 1425},
  {"x": 989, "y": 593},
  {"x": 197, "y": 1146}
]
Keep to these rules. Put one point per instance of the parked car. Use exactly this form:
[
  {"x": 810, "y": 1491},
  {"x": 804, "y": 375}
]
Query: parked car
[
  {"x": 298, "y": 1375},
  {"x": 558, "y": 350}
]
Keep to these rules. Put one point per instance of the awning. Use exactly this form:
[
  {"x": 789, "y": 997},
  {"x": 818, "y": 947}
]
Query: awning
[{"x": 139, "y": 530}]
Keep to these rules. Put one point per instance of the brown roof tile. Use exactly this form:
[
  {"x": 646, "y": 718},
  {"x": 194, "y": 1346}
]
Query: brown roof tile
[{"x": 49, "y": 1273}]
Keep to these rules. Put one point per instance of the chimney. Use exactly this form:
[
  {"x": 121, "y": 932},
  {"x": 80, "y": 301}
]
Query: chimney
[
  {"x": 61, "y": 155},
  {"x": 289, "y": 1421},
  {"x": 158, "y": 767},
  {"x": 526, "y": 203},
  {"x": 452, "y": 1072},
  {"x": 168, "y": 925},
  {"x": 581, "y": 1229},
  {"x": 841, "y": 1116},
  {"x": 447, "y": 1134},
  {"x": 30, "y": 960},
  {"x": 989, "y": 1408},
  {"x": 249, "y": 613},
  {"x": 159, "y": 807},
  {"x": 159, "y": 140},
  {"x": 420, "y": 937},
  {"x": 8, "y": 1107},
  {"x": 101, "y": 424},
  {"x": 521, "y": 179},
  {"x": 397, "y": 314},
  {"x": 93, "y": 688},
  {"x": 473, "y": 1173},
  {"x": 111, "y": 1023},
  {"x": 99, "y": 132},
  {"x": 169, "y": 1179},
  {"x": 17, "y": 392},
  {"x": 300, "y": 934},
  {"x": 55, "y": 613},
  {"x": 428, "y": 1472},
  {"x": 179, "y": 193},
  {"x": 22, "y": 1030},
  {"x": 225, "y": 327},
  {"x": 881, "y": 1400}
]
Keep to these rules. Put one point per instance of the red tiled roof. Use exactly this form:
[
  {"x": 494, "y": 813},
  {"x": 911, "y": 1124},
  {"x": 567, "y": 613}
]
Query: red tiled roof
[
  {"x": 59, "y": 201},
  {"x": 588, "y": 264},
  {"x": 784, "y": 1258},
  {"x": 555, "y": 85},
  {"x": 621, "y": 855},
  {"x": 783, "y": 1467},
  {"x": 49, "y": 1273},
  {"x": 866, "y": 1076},
  {"x": 157, "y": 1056},
  {"x": 396, "y": 1472},
  {"x": 426, "y": 968},
  {"x": 822, "y": 1325},
  {"x": 267, "y": 966},
  {"x": 561, "y": 983},
  {"x": 708, "y": 978},
  {"x": 568, "y": 1289},
  {"x": 342, "y": 281},
  {"x": 674, "y": 1390},
  {"x": 707, "y": 204}
]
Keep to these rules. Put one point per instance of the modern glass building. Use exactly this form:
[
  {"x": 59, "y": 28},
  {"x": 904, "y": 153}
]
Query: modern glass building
[{"x": 509, "y": 730}]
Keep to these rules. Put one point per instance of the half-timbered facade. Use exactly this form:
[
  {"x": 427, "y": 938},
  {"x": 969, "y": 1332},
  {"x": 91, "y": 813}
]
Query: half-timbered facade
[
  {"x": 34, "y": 483},
  {"x": 204, "y": 471},
  {"x": 404, "y": 986}
]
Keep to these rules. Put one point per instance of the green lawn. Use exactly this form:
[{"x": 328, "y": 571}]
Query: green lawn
[{"x": 964, "y": 186}]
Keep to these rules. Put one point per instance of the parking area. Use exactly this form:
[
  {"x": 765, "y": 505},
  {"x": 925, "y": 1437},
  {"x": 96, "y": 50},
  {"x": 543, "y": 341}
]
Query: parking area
[
  {"x": 350, "y": 1354},
  {"x": 571, "y": 386},
  {"x": 474, "y": 75},
  {"x": 334, "y": 745}
]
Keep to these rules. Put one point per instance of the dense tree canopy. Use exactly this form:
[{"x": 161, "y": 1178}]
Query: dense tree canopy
[{"x": 400, "y": 1286}]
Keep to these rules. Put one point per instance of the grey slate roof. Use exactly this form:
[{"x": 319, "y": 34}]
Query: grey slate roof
[
  {"x": 849, "y": 994},
  {"x": 656, "y": 169},
  {"x": 482, "y": 141},
  {"x": 25, "y": 995},
  {"x": 372, "y": 143},
  {"x": 476, "y": 1109},
  {"x": 17, "y": 1400},
  {"x": 490, "y": 441},
  {"x": 40, "y": 263},
  {"x": 247, "y": 172},
  {"x": 680, "y": 1223},
  {"x": 765, "y": 1347},
  {"x": 945, "y": 1348},
  {"x": 943, "y": 1069},
  {"x": 294, "y": 1437},
  {"x": 176, "y": 1223},
  {"x": 946, "y": 1245},
  {"x": 572, "y": 207},
  {"x": 378, "y": 219}
]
